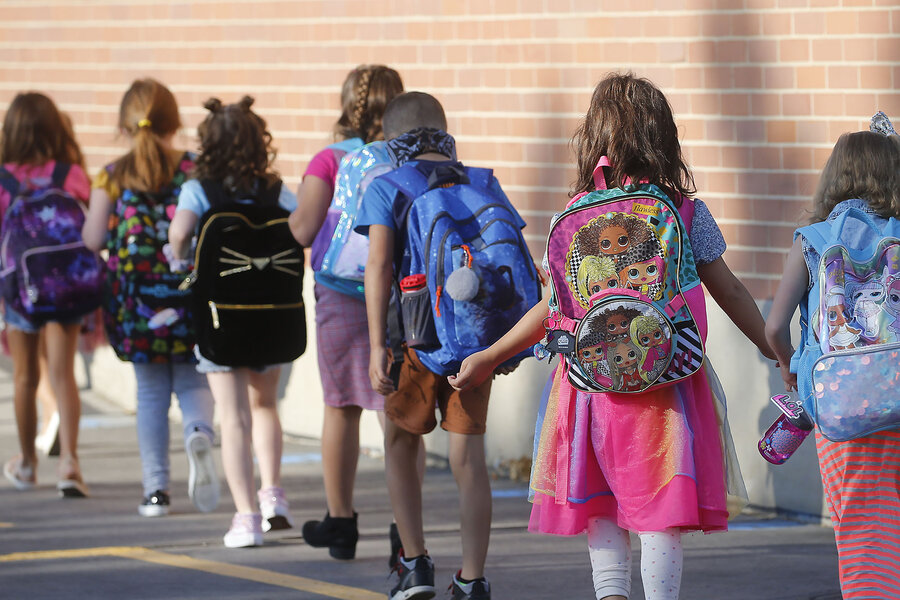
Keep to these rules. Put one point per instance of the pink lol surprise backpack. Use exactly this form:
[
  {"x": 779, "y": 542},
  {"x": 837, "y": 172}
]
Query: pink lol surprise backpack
[
  {"x": 848, "y": 363},
  {"x": 47, "y": 272},
  {"x": 627, "y": 309}
]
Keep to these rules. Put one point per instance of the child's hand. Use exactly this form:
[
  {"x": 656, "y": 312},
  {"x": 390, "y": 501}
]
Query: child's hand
[
  {"x": 378, "y": 371},
  {"x": 790, "y": 379},
  {"x": 474, "y": 370}
]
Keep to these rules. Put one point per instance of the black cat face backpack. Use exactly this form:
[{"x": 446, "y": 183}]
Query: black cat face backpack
[{"x": 247, "y": 281}]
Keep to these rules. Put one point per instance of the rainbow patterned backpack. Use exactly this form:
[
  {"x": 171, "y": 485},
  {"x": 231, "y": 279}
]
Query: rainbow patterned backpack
[
  {"x": 627, "y": 309},
  {"x": 848, "y": 362}
]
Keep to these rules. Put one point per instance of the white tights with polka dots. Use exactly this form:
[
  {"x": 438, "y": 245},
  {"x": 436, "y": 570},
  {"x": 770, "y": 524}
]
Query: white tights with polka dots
[{"x": 610, "y": 550}]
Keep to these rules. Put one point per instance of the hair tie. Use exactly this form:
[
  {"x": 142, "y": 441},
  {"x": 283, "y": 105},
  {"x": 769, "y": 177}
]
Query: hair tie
[{"x": 144, "y": 123}]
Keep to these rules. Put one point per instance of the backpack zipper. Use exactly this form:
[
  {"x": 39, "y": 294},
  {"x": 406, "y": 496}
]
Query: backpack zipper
[{"x": 215, "y": 306}]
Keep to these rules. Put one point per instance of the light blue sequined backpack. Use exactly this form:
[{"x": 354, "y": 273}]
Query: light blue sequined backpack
[
  {"x": 848, "y": 364},
  {"x": 342, "y": 263}
]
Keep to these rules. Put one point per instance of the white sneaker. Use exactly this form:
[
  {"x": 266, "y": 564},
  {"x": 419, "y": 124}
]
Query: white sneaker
[
  {"x": 203, "y": 482},
  {"x": 47, "y": 441},
  {"x": 246, "y": 531},
  {"x": 274, "y": 509}
]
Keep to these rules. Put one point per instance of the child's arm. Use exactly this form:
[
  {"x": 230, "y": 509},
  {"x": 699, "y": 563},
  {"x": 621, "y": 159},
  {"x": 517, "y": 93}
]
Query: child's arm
[
  {"x": 377, "y": 284},
  {"x": 313, "y": 199},
  {"x": 732, "y": 297},
  {"x": 94, "y": 230},
  {"x": 479, "y": 366},
  {"x": 790, "y": 293},
  {"x": 181, "y": 230}
]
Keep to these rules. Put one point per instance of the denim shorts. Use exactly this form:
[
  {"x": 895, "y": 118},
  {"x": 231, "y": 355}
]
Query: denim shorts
[
  {"x": 15, "y": 320},
  {"x": 204, "y": 365}
]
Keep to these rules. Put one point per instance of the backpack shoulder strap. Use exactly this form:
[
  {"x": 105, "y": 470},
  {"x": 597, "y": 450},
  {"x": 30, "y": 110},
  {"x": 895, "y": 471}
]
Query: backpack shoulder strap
[
  {"x": 271, "y": 194},
  {"x": 215, "y": 192},
  {"x": 9, "y": 183},
  {"x": 60, "y": 173}
]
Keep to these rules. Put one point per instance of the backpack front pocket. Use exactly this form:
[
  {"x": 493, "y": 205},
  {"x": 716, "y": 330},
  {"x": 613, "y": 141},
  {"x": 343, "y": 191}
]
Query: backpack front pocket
[
  {"x": 855, "y": 392},
  {"x": 231, "y": 333}
]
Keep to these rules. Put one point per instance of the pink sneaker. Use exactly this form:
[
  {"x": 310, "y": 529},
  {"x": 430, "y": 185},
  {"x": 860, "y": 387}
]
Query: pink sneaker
[
  {"x": 274, "y": 509},
  {"x": 246, "y": 531}
]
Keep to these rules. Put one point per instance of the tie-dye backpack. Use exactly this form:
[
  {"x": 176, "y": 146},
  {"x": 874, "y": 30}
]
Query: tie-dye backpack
[
  {"x": 627, "y": 310},
  {"x": 848, "y": 363},
  {"x": 47, "y": 272}
]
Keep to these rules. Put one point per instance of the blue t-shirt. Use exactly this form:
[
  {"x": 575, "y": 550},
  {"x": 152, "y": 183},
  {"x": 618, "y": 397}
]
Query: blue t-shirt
[
  {"x": 193, "y": 198},
  {"x": 378, "y": 209}
]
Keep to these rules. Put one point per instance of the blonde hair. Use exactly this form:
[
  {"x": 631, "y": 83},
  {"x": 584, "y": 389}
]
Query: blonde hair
[
  {"x": 364, "y": 96},
  {"x": 594, "y": 268},
  {"x": 642, "y": 324},
  {"x": 148, "y": 113},
  {"x": 862, "y": 165}
]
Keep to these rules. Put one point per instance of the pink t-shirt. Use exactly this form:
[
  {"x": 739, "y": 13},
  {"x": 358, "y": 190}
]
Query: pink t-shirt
[
  {"x": 76, "y": 183},
  {"x": 324, "y": 165}
]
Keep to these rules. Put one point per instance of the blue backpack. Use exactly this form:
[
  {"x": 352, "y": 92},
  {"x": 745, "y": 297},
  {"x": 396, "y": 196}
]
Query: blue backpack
[
  {"x": 465, "y": 273},
  {"x": 848, "y": 361},
  {"x": 342, "y": 264}
]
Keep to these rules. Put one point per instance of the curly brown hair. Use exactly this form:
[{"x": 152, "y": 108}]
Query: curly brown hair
[
  {"x": 364, "y": 96},
  {"x": 35, "y": 132},
  {"x": 630, "y": 121},
  {"x": 235, "y": 147}
]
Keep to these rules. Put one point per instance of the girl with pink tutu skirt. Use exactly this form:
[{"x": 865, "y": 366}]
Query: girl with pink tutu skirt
[{"x": 610, "y": 463}]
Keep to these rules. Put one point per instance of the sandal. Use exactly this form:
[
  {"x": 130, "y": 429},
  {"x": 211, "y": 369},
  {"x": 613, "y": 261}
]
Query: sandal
[
  {"x": 70, "y": 484},
  {"x": 23, "y": 478}
]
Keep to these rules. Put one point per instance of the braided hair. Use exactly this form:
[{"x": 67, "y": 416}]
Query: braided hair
[{"x": 364, "y": 96}]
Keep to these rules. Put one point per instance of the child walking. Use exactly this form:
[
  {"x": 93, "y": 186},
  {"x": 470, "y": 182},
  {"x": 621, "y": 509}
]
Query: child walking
[
  {"x": 416, "y": 129},
  {"x": 38, "y": 149},
  {"x": 860, "y": 181},
  {"x": 235, "y": 157},
  {"x": 607, "y": 463},
  {"x": 341, "y": 325},
  {"x": 145, "y": 315}
]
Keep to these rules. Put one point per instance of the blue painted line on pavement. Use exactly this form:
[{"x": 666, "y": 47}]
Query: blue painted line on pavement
[
  {"x": 301, "y": 459},
  {"x": 767, "y": 524}
]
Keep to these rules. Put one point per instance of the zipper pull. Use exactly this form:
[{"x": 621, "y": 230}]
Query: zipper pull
[
  {"x": 188, "y": 281},
  {"x": 215, "y": 314}
]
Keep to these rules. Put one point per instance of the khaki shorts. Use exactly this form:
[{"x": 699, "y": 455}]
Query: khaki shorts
[{"x": 412, "y": 406}]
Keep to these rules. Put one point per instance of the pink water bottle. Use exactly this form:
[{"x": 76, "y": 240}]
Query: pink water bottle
[{"x": 788, "y": 431}]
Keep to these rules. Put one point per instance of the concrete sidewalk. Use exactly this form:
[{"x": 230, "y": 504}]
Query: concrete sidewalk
[{"x": 100, "y": 548}]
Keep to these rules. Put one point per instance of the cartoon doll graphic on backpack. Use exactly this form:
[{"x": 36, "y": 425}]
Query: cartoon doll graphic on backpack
[{"x": 625, "y": 263}]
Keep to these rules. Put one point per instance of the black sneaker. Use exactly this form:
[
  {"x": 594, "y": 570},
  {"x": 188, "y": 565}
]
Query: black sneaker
[
  {"x": 155, "y": 505},
  {"x": 416, "y": 583},
  {"x": 477, "y": 589},
  {"x": 340, "y": 535},
  {"x": 396, "y": 546}
]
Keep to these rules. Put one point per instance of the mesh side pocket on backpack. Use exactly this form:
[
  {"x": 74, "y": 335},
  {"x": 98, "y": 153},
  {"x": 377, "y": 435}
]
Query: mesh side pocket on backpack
[{"x": 418, "y": 321}]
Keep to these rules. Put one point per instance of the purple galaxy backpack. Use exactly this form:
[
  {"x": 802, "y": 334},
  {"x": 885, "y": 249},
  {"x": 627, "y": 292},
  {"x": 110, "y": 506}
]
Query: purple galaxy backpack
[{"x": 46, "y": 272}]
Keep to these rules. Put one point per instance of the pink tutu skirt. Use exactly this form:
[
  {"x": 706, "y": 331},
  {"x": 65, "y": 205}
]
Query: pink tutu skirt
[{"x": 649, "y": 462}]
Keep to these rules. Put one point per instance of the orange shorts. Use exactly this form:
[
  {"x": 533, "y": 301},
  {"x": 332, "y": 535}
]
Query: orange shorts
[{"x": 412, "y": 406}]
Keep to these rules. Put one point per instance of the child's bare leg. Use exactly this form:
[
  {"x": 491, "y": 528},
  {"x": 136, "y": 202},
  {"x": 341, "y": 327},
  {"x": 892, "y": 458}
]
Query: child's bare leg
[
  {"x": 420, "y": 468},
  {"x": 24, "y": 350},
  {"x": 45, "y": 394},
  {"x": 62, "y": 343},
  {"x": 401, "y": 457},
  {"x": 467, "y": 462},
  {"x": 230, "y": 390},
  {"x": 340, "y": 454},
  {"x": 267, "y": 437}
]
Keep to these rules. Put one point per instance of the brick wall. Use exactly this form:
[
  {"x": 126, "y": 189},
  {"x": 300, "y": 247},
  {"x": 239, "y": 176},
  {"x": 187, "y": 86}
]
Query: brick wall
[{"x": 761, "y": 88}]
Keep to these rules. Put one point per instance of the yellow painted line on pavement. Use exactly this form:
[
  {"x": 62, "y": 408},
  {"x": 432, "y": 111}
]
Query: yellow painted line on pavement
[
  {"x": 6, "y": 525},
  {"x": 293, "y": 582}
]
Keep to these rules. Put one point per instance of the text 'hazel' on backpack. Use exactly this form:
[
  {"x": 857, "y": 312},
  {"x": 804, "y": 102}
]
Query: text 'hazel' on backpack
[
  {"x": 247, "y": 282},
  {"x": 626, "y": 295},
  {"x": 47, "y": 272},
  {"x": 466, "y": 275},
  {"x": 848, "y": 362},
  {"x": 146, "y": 316}
]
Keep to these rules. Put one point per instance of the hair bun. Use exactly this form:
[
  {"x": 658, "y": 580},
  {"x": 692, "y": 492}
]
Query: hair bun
[
  {"x": 213, "y": 105},
  {"x": 246, "y": 102}
]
